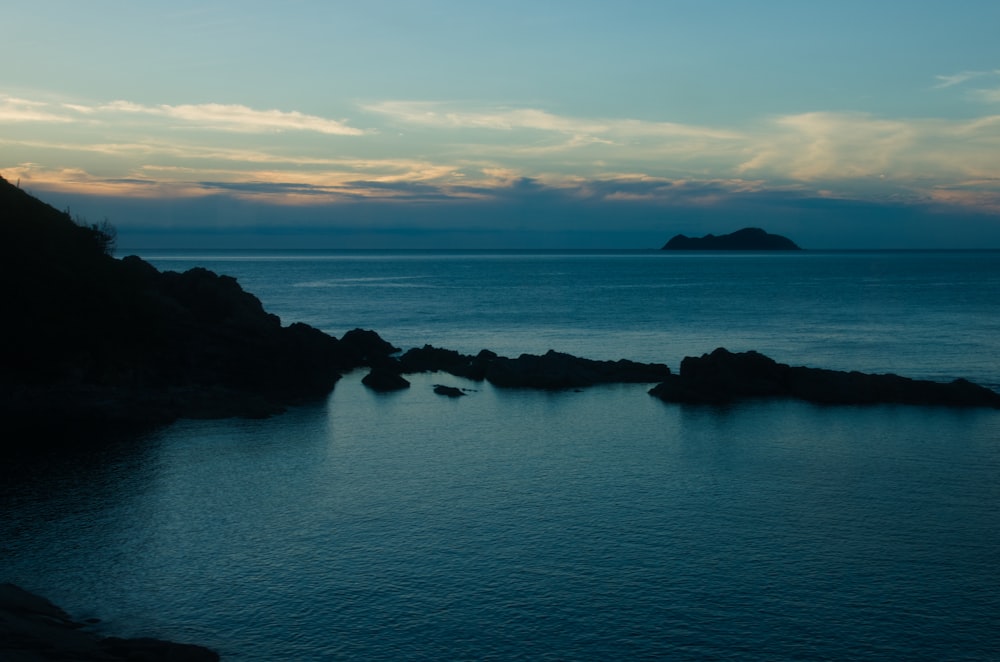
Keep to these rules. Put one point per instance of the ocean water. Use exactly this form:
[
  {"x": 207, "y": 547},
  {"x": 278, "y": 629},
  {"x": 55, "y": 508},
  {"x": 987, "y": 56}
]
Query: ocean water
[{"x": 581, "y": 525}]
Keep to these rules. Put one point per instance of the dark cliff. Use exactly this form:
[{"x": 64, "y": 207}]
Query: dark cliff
[
  {"x": 747, "y": 239},
  {"x": 96, "y": 342}
]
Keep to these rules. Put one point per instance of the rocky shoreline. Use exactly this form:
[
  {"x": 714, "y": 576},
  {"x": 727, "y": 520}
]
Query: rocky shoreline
[
  {"x": 105, "y": 344},
  {"x": 32, "y": 629},
  {"x": 723, "y": 376},
  {"x": 715, "y": 378}
]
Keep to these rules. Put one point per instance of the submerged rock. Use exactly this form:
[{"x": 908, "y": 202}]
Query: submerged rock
[
  {"x": 723, "y": 376},
  {"x": 450, "y": 391}
]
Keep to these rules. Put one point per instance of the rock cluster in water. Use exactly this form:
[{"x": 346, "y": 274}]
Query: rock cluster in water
[
  {"x": 747, "y": 239},
  {"x": 550, "y": 371},
  {"x": 723, "y": 376},
  {"x": 32, "y": 629}
]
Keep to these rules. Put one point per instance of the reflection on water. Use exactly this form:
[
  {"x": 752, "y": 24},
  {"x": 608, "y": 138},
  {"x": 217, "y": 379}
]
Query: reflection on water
[{"x": 516, "y": 524}]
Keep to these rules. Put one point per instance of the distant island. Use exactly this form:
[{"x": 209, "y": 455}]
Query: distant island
[{"x": 747, "y": 239}]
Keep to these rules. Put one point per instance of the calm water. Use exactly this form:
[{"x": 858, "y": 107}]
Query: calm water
[{"x": 600, "y": 524}]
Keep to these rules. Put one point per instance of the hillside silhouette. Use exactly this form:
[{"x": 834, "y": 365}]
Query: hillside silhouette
[{"x": 95, "y": 342}]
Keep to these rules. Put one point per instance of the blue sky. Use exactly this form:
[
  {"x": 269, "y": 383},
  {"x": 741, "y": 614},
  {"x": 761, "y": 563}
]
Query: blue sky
[{"x": 536, "y": 124}]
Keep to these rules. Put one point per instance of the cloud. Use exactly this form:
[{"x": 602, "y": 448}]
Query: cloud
[
  {"x": 77, "y": 181},
  {"x": 215, "y": 116},
  {"x": 457, "y": 152},
  {"x": 864, "y": 154},
  {"x": 989, "y": 95},
  {"x": 13, "y": 109},
  {"x": 983, "y": 94},
  {"x": 440, "y": 115},
  {"x": 238, "y": 118},
  {"x": 830, "y": 146},
  {"x": 951, "y": 80}
]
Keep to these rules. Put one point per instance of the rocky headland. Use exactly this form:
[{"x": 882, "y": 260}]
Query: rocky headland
[
  {"x": 94, "y": 342},
  {"x": 747, "y": 239}
]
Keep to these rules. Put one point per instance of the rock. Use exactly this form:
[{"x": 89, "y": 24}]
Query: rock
[
  {"x": 724, "y": 376},
  {"x": 102, "y": 343},
  {"x": 33, "y": 629},
  {"x": 435, "y": 359},
  {"x": 384, "y": 380},
  {"x": 366, "y": 347},
  {"x": 747, "y": 239},
  {"x": 555, "y": 370},
  {"x": 450, "y": 391}
]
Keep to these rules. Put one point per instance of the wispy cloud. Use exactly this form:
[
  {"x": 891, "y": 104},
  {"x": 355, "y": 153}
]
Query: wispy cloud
[
  {"x": 13, "y": 109},
  {"x": 950, "y": 80},
  {"x": 215, "y": 116},
  {"x": 441, "y": 115},
  {"x": 232, "y": 117},
  {"x": 989, "y": 95}
]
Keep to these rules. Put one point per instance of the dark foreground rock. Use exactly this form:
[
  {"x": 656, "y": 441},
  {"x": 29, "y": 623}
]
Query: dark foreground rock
[
  {"x": 94, "y": 342},
  {"x": 32, "y": 629},
  {"x": 747, "y": 239},
  {"x": 550, "y": 371},
  {"x": 724, "y": 376}
]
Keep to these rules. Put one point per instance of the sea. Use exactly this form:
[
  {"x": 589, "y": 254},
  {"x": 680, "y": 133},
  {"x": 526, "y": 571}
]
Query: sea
[{"x": 586, "y": 524}]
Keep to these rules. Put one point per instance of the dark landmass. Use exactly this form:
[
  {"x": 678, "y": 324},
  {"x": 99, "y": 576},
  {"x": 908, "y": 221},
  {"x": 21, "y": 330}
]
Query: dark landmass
[
  {"x": 32, "y": 629},
  {"x": 550, "y": 371},
  {"x": 724, "y": 376},
  {"x": 93, "y": 342},
  {"x": 747, "y": 239}
]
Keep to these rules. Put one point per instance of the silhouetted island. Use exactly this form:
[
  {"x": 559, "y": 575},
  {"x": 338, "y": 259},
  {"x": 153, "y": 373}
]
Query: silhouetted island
[{"x": 747, "y": 239}]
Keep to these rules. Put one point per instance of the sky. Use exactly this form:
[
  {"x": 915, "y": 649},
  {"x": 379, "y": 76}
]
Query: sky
[{"x": 541, "y": 124}]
